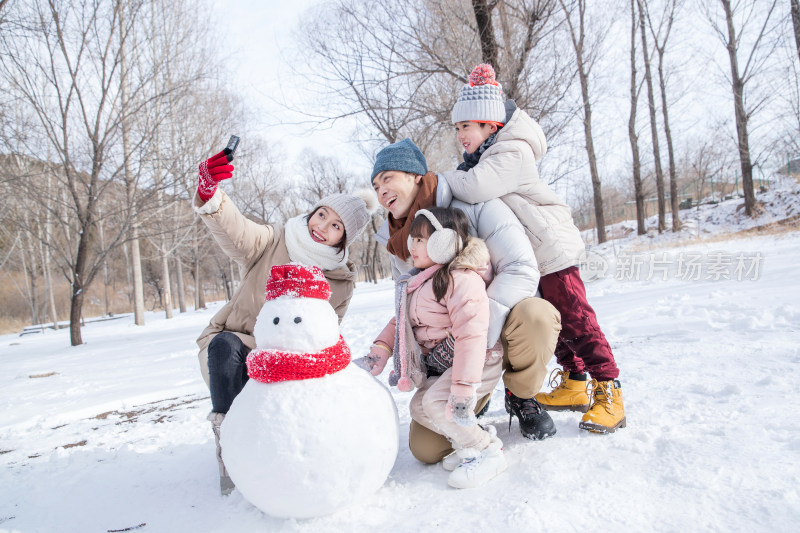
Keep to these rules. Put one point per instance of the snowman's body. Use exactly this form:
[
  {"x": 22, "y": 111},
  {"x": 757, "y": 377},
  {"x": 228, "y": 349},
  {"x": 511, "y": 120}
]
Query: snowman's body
[{"x": 307, "y": 447}]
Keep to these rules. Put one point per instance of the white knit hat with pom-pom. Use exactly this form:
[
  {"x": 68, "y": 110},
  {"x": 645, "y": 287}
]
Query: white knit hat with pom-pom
[
  {"x": 481, "y": 100},
  {"x": 354, "y": 210}
]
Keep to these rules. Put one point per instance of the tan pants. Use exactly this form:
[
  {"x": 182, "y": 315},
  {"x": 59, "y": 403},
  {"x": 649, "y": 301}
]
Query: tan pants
[
  {"x": 529, "y": 339},
  {"x": 429, "y": 406}
]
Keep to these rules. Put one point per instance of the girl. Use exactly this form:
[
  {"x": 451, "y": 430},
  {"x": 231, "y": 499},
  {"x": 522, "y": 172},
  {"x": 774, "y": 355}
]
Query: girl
[
  {"x": 438, "y": 337},
  {"x": 320, "y": 238}
]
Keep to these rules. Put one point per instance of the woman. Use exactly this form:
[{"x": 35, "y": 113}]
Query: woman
[{"x": 320, "y": 238}]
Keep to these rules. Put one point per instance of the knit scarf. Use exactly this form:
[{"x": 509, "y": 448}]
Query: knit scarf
[
  {"x": 400, "y": 228},
  {"x": 270, "y": 366},
  {"x": 409, "y": 370},
  {"x": 470, "y": 160},
  {"x": 305, "y": 250}
]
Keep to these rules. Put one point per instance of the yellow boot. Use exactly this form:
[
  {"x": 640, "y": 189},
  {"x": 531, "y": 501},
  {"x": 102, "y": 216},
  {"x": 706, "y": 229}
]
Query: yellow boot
[
  {"x": 567, "y": 394},
  {"x": 607, "y": 412}
]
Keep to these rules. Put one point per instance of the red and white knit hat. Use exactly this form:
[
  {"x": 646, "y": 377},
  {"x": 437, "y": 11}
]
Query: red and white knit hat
[
  {"x": 481, "y": 100},
  {"x": 270, "y": 366},
  {"x": 297, "y": 281}
]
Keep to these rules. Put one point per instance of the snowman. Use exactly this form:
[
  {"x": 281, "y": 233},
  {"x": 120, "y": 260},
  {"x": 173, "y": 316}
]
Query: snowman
[{"x": 309, "y": 433}]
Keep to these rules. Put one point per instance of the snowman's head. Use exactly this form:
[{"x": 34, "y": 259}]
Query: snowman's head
[
  {"x": 296, "y": 325},
  {"x": 296, "y": 315}
]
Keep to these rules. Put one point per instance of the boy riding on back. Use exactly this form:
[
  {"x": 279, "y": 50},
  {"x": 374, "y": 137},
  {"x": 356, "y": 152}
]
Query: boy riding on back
[{"x": 501, "y": 146}]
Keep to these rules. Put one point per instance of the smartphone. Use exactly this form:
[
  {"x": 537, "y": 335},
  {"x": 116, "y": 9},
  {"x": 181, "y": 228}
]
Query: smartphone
[{"x": 233, "y": 143}]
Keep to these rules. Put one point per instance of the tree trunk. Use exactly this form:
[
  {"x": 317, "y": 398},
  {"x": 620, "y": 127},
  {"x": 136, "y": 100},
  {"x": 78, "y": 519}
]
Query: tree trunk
[
  {"x": 233, "y": 277},
  {"x": 48, "y": 276},
  {"x": 138, "y": 284},
  {"x": 128, "y": 271},
  {"x": 599, "y": 215},
  {"x": 483, "y": 16},
  {"x": 181, "y": 286},
  {"x": 29, "y": 267},
  {"x": 374, "y": 261},
  {"x": 75, "y": 309},
  {"x": 105, "y": 269},
  {"x": 662, "y": 84},
  {"x": 662, "y": 207},
  {"x": 165, "y": 275},
  {"x": 48, "y": 281},
  {"x": 632, "y": 136},
  {"x": 130, "y": 185},
  {"x": 201, "y": 295},
  {"x": 225, "y": 285},
  {"x": 741, "y": 116},
  {"x": 673, "y": 174},
  {"x": 78, "y": 272},
  {"x": 796, "y": 24},
  {"x": 577, "y": 44}
]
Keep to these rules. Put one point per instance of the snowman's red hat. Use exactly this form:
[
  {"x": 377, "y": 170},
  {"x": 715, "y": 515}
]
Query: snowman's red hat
[{"x": 298, "y": 281}]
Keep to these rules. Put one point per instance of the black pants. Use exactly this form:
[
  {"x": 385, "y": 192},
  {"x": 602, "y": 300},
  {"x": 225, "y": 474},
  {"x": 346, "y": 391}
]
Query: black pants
[{"x": 227, "y": 371}]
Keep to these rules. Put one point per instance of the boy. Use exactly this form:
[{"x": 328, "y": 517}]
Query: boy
[{"x": 501, "y": 145}]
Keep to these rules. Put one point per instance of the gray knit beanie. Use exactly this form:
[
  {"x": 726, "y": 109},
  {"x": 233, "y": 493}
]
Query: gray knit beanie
[
  {"x": 404, "y": 156},
  {"x": 354, "y": 210},
  {"x": 481, "y": 100}
]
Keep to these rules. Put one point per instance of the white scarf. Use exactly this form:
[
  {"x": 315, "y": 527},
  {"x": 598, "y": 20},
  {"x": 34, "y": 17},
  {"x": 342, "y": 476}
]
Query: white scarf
[{"x": 305, "y": 250}]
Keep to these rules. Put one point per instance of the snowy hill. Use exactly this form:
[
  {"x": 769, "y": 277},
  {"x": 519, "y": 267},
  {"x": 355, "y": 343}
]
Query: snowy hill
[{"x": 112, "y": 436}]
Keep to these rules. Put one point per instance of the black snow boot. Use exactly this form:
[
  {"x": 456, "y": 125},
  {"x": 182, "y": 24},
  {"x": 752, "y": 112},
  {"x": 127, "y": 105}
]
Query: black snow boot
[
  {"x": 484, "y": 409},
  {"x": 534, "y": 422}
]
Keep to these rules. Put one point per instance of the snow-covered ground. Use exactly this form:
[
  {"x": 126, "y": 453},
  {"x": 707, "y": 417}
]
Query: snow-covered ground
[{"x": 112, "y": 436}]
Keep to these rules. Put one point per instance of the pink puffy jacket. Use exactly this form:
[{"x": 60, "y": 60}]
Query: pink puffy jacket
[{"x": 463, "y": 312}]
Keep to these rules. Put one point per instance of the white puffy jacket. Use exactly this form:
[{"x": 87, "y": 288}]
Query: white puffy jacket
[
  {"x": 507, "y": 170},
  {"x": 516, "y": 276}
]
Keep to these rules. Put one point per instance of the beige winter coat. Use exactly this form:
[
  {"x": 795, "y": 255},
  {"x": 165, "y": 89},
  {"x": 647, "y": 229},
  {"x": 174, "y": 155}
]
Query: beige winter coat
[
  {"x": 507, "y": 170},
  {"x": 257, "y": 247}
]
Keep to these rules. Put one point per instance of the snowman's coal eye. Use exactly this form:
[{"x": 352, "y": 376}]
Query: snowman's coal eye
[
  {"x": 297, "y": 320},
  {"x": 276, "y": 320}
]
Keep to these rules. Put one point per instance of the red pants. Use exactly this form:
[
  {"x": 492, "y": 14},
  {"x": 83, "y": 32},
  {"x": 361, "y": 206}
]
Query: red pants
[{"x": 581, "y": 347}]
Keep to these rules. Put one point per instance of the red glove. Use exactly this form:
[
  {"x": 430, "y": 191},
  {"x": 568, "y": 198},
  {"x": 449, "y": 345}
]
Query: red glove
[{"x": 211, "y": 172}]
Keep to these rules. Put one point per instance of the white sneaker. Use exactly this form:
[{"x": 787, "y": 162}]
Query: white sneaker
[
  {"x": 450, "y": 462},
  {"x": 477, "y": 468}
]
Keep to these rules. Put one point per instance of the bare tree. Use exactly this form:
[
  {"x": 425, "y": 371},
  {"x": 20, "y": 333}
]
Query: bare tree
[
  {"x": 796, "y": 24},
  {"x": 748, "y": 14},
  {"x": 660, "y": 37},
  {"x": 585, "y": 57},
  {"x": 69, "y": 65},
  {"x": 77, "y": 72},
  {"x": 321, "y": 176},
  {"x": 653, "y": 123},
  {"x": 397, "y": 67},
  {"x": 633, "y": 137},
  {"x": 137, "y": 287},
  {"x": 483, "y": 16},
  {"x": 706, "y": 159}
]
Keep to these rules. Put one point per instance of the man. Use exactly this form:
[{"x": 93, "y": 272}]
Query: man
[{"x": 526, "y": 325}]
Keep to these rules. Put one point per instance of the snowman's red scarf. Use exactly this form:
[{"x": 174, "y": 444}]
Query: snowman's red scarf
[{"x": 269, "y": 366}]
